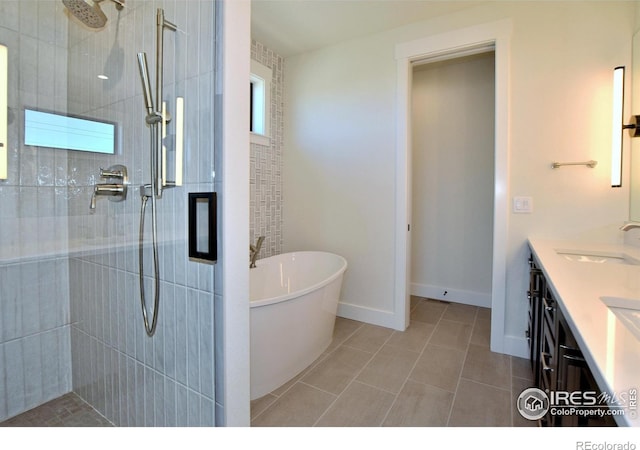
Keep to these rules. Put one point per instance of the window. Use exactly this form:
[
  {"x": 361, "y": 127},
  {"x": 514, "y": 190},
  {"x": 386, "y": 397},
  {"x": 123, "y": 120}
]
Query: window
[
  {"x": 260, "y": 94},
  {"x": 45, "y": 129}
]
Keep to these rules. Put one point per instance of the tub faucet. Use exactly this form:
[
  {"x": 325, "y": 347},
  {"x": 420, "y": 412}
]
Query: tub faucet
[
  {"x": 629, "y": 225},
  {"x": 253, "y": 252}
]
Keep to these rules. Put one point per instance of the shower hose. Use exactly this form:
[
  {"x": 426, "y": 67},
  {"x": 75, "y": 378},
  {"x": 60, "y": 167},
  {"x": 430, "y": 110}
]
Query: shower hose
[{"x": 149, "y": 328}]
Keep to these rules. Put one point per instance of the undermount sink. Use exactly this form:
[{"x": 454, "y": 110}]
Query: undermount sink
[
  {"x": 597, "y": 257},
  {"x": 627, "y": 310}
]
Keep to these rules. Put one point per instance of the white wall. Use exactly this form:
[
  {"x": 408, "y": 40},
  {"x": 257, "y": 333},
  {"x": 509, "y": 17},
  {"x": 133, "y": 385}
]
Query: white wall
[
  {"x": 452, "y": 179},
  {"x": 339, "y": 179}
]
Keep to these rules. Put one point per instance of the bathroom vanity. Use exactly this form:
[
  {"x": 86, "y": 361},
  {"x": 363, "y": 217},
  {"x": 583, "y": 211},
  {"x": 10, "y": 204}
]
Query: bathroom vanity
[{"x": 584, "y": 331}]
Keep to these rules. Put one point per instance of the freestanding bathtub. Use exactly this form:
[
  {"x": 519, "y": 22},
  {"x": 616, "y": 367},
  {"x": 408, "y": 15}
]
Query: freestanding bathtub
[{"x": 294, "y": 299}]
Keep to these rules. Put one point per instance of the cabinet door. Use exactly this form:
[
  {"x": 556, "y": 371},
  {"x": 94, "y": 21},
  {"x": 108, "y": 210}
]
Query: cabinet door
[
  {"x": 534, "y": 335},
  {"x": 573, "y": 375}
]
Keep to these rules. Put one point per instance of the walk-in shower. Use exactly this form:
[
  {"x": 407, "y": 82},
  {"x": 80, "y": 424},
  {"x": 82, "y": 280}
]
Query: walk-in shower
[{"x": 70, "y": 306}]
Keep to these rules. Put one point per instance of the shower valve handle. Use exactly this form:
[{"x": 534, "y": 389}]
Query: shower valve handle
[{"x": 109, "y": 173}]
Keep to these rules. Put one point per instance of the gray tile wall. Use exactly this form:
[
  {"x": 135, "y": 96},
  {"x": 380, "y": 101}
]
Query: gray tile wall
[
  {"x": 266, "y": 163},
  {"x": 132, "y": 379},
  {"x": 35, "y": 349}
]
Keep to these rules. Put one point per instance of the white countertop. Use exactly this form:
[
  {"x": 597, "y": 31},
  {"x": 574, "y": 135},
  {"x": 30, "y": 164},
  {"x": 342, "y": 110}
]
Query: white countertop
[{"x": 611, "y": 350}]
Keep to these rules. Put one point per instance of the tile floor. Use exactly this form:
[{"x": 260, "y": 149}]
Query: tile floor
[
  {"x": 439, "y": 372},
  {"x": 66, "y": 411}
]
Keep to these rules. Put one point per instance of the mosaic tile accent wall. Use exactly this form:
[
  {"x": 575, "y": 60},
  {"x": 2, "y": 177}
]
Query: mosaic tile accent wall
[{"x": 266, "y": 163}]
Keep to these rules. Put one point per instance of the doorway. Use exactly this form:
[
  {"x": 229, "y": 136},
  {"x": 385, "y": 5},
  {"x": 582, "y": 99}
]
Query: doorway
[
  {"x": 496, "y": 35},
  {"x": 453, "y": 121}
]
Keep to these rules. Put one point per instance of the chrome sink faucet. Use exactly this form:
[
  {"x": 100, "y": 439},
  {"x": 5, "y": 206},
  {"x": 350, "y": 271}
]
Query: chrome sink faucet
[{"x": 253, "y": 252}]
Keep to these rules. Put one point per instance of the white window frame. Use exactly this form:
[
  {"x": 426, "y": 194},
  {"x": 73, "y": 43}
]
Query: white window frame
[{"x": 260, "y": 79}]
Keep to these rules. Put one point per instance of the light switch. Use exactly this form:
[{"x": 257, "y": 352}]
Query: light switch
[{"x": 523, "y": 205}]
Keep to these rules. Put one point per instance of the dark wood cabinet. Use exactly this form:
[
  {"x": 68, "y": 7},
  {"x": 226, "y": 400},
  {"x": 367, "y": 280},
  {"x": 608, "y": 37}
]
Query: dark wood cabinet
[
  {"x": 533, "y": 333},
  {"x": 557, "y": 363}
]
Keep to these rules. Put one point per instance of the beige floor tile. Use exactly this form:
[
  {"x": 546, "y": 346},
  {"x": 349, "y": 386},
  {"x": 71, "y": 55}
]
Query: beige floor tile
[
  {"x": 260, "y": 404},
  {"x": 478, "y": 404},
  {"x": 521, "y": 368},
  {"x": 481, "y": 334},
  {"x": 484, "y": 366},
  {"x": 389, "y": 368},
  {"x": 460, "y": 313},
  {"x": 300, "y": 406},
  {"x": 517, "y": 386},
  {"x": 428, "y": 311},
  {"x": 358, "y": 406},
  {"x": 439, "y": 366},
  {"x": 338, "y": 369},
  {"x": 279, "y": 391},
  {"x": 420, "y": 405},
  {"x": 369, "y": 338},
  {"x": 414, "y": 301},
  {"x": 414, "y": 338},
  {"x": 451, "y": 334},
  {"x": 342, "y": 330},
  {"x": 484, "y": 313}
]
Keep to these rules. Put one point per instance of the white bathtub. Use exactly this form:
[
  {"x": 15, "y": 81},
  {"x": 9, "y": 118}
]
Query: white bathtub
[{"x": 294, "y": 298}]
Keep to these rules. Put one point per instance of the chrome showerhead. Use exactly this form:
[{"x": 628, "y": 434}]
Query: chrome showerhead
[{"x": 90, "y": 14}]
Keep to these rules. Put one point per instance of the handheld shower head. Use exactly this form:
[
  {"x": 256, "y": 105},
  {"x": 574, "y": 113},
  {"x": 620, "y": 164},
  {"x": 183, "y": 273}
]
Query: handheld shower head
[{"x": 90, "y": 14}]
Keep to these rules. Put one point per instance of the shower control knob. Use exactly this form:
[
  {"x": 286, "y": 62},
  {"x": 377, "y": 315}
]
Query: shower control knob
[{"x": 112, "y": 172}]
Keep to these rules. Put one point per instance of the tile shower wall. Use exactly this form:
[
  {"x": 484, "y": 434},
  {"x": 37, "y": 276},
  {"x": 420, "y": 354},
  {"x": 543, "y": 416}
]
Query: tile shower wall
[
  {"x": 266, "y": 162},
  {"x": 35, "y": 349},
  {"x": 134, "y": 380},
  {"x": 69, "y": 295}
]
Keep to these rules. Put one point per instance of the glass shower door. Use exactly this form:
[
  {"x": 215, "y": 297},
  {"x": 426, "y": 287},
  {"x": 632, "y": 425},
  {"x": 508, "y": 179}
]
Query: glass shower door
[{"x": 69, "y": 276}]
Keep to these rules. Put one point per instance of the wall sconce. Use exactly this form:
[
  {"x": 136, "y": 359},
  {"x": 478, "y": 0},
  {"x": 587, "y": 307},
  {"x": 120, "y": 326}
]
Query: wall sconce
[{"x": 619, "y": 126}]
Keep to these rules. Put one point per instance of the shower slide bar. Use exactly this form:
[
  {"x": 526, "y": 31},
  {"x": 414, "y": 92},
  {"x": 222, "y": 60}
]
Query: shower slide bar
[
  {"x": 156, "y": 113},
  {"x": 156, "y": 119}
]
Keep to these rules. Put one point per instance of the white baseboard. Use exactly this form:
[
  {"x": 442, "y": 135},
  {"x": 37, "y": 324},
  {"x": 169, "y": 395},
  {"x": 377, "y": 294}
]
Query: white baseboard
[
  {"x": 373, "y": 316},
  {"x": 516, "y": 346},
  {"x": 451, "y": 295}
]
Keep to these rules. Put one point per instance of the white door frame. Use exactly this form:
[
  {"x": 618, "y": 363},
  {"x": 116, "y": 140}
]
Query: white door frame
[{"x": 443, "y": 46}]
